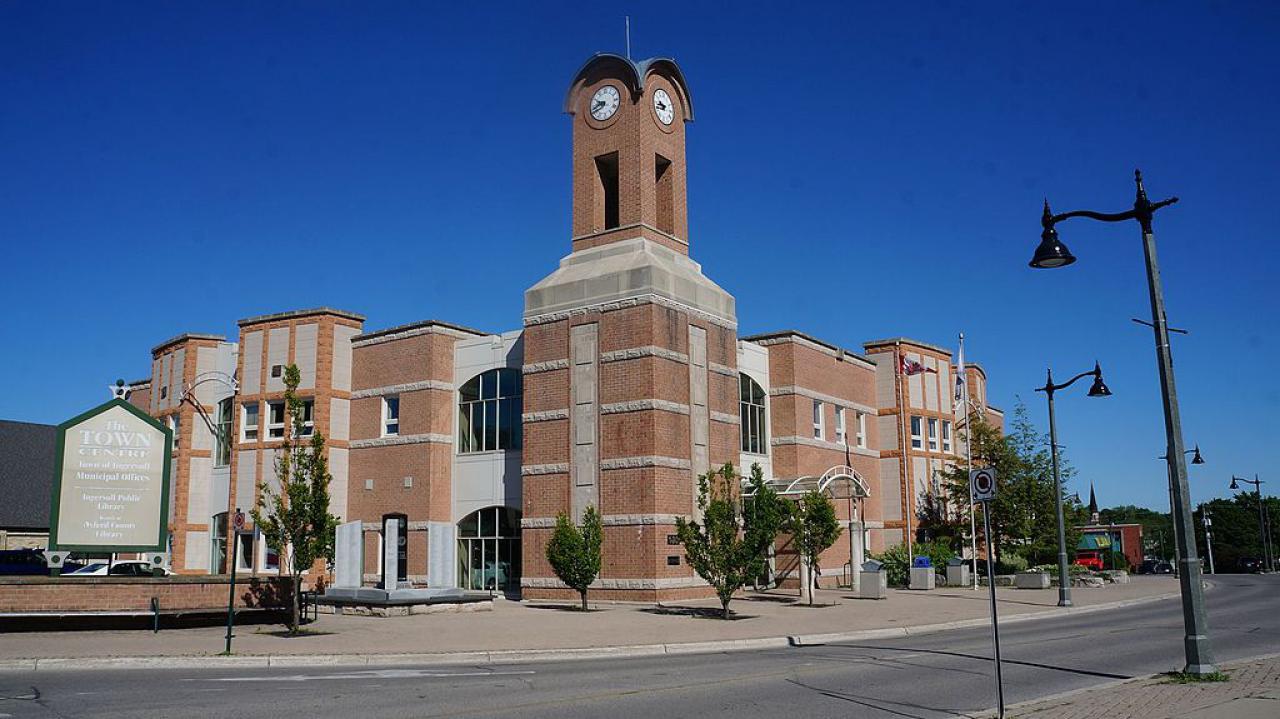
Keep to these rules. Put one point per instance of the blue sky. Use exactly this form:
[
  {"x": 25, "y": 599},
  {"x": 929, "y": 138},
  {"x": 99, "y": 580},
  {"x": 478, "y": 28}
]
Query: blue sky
[{"x": 856, "y": 172}]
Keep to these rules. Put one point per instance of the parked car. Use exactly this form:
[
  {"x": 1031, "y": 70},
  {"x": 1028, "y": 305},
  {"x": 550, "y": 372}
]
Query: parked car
[
  {"x": 127, "y": 568},
  {"x": 22, "y": 561},
  {"x": 1249, "y": 565},
  {"x": 1090, "y": 560},
  {"x": 1155, "y": 566}
]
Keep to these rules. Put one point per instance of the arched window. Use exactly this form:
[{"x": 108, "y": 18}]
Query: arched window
[
  {"x": 755, "y": 435},
  {"x": 489, "y": 406}
]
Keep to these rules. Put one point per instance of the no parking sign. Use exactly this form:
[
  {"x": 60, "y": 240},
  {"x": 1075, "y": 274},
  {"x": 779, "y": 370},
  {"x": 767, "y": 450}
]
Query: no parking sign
[{"x": 982, "y": 484}]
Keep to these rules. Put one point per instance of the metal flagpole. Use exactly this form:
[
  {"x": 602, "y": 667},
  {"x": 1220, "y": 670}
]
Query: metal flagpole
[
  {"x": 968, "y": 458},
  {"x": 907, "y": 478}
]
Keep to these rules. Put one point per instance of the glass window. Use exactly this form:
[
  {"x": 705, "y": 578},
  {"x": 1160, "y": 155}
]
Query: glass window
[
  {"x": 840, "y": 434},
  {"x": 222, "y": 442},
  {"x": 755, "y": 436},
  {"x": 489, "y": 550},
  {"x": 917, "y": 434},
  {"x": 489, "y": 407},
  {"x": 249, "y": 422},
  {"x": 390, "y": 416},
  {"x": 270, "y": 558},
  {"x": 933, "y": 435},
  {"x": 817, "y": 419},
  {"x": 862, "y": 429},
  {"x": 175, "y": 426},
  {"x": 244, "y": 551},
  {"x": 946, "y": 436},
  {"x": 275, "y": 420},
  {"x": 308, "y": 417},
  {"x": 218, "y": 543}
]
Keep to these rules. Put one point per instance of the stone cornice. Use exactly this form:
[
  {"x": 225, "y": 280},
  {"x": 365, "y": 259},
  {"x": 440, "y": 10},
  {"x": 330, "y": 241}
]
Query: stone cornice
[
  {"x": 645, "y": 351},
  {"x": 726, "y": 418},
  {"x": 547, "y": 366},
  {"x": 613, "y": 305},
  {"x": 642, "y": 405},
  {"x": 545, "y": 415},
  {"x": 645, "y": 461},
  {"x": 530, "y": 470},
  {"x": 401, "y": 388},
  {"x": 402, "y": 439}
]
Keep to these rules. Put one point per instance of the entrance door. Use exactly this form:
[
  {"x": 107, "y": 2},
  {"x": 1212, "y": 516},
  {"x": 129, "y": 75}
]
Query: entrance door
[{"x": 489, "y": 550}]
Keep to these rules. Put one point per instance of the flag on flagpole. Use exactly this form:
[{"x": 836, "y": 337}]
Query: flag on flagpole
[{"x": 912, "y": 368}]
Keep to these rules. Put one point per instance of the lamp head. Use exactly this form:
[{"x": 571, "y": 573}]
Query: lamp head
[
  {"x": 1099, "y": 388},
  {"x": 1196, "y": 458},
  {"x": 1234, "y": 485},
  {"x": 1051, "y": 252}
]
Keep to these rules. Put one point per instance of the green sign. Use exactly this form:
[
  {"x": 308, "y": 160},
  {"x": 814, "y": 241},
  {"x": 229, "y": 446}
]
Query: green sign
[{"x": 111, "y": 482}]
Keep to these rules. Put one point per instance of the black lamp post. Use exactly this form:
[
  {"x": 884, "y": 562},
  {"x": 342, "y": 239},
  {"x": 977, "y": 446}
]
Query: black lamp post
[
  {"x": 1099, "y": 389},
  {"x": 1262, "y": 524},
  {"x": 1052, "y": 253}
]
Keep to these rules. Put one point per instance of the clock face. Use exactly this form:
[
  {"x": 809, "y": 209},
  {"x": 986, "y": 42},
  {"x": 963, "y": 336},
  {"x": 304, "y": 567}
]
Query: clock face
[
  {"x": 663, "y": 106},
  {"x": 605, "y": 102}
]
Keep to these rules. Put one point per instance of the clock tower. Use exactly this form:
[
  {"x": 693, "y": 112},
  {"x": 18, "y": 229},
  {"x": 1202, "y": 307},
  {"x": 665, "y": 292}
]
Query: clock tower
[{"x": 630, "y": 351}]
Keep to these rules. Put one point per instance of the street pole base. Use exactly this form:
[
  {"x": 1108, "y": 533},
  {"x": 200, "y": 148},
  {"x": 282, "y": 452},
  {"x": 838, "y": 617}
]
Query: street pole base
[
  {"x": 1200, "y": 670},
  {"x": 1065, "y": 603}
]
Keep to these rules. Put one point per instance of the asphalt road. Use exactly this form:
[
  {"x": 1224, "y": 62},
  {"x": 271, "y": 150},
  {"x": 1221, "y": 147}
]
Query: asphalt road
[{"x": 940, "y": 675}]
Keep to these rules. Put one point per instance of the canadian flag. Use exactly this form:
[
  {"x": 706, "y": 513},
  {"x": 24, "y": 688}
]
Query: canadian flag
[{"x": 912, "y": 368}]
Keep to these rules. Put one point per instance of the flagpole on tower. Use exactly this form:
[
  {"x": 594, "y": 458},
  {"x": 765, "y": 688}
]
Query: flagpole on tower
[{"x": 628, "y": 21}]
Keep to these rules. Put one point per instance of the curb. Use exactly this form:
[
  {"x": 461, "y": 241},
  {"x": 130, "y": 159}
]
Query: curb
[{"x": 517, "y": 656}]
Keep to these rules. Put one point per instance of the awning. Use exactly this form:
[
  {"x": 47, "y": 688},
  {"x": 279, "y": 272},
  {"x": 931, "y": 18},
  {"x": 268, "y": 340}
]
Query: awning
[{"x": 839, "y": 482}]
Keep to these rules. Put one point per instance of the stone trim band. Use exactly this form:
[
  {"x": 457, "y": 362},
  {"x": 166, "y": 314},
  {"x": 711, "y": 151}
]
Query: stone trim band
[
  {"x": 612, "y": 305},
  {"x": 401, "y": 388},
  {"x": 821, "y": 397},
  {"x": 402, "y": 439}
]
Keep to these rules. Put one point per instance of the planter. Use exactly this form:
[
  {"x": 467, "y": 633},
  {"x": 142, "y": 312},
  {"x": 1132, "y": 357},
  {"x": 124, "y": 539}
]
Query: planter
[
  {"x": 1032, "y": 580},
  {"x": 922, "y": 578}
]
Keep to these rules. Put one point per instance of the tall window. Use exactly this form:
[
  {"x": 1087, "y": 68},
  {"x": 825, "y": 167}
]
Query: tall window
[
  {"x": 917, "y": 433},
  {"x": 249, "y": 422},
  {"x": 222, "y": 442},
  {"x": 489, "y": 406},
  {"x": 607, "y": 200},
  {"x": 840, "y": 432},
  {"x": 933, "y": 435},
  {"x": 755, "y": 436},
  {"x": 817, "y": 419},
  {"x": 275, "y": 420},
  {"x": 244, "y": 552},
  {"x": 175, "y": 426},
  {"x": 861, "y": 429},
  {"x": 946, "y": 436},
  {"x": 390, "y": 416},
  {"x": 218, "y": 542},
  {"x": 308, "y": 417}
]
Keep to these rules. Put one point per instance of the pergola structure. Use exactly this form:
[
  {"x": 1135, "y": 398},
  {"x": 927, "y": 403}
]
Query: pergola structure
[{"x": 839, "y": 482}]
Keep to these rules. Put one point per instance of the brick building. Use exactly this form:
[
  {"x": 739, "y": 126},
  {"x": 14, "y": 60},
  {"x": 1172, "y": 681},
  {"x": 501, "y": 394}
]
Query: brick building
[{"x": 626, "y": 380}]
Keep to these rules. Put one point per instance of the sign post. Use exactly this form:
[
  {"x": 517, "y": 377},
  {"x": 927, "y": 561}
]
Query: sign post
[
  {"x": 237, "y": 526},
  {"x": 982, "y": 487}
]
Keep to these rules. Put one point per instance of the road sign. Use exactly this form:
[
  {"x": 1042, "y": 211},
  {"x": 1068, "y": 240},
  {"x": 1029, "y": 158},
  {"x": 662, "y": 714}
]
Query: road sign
[
  {"x": 238, "y": 523},
  {"x": 982, "y": 484}
]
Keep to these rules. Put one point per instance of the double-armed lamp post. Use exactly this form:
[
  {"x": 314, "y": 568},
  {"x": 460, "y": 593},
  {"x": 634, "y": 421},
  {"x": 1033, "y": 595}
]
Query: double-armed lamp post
[
  {"x": 1099, "y": 389},
  {"x": 1052, "y": 253}
]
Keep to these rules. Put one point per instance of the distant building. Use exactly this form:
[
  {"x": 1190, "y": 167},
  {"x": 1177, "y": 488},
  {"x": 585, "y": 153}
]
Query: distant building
[
  {"x": 1125, "y": 539},
  {"x": 26, "y": 483}
]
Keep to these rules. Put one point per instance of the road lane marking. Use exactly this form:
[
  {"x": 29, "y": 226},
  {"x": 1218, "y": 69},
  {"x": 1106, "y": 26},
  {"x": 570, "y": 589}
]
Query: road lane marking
[{"x": 373, "y": 674}]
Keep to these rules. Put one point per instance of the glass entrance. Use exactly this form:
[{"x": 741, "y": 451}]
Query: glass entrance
[{"x": 489, "y": 550}]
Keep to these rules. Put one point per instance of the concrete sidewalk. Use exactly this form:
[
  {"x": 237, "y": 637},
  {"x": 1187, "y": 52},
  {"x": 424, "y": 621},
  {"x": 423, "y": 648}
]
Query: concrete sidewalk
[
  {"x": 1253, "y": 692},
  {"x": 516, "y": 631}
]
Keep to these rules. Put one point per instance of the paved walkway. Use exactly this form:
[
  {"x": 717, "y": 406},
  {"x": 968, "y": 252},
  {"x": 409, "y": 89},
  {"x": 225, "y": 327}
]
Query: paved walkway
[
  {"x": 532, "y": 626},
  {"x": 1253, "y": 692}
]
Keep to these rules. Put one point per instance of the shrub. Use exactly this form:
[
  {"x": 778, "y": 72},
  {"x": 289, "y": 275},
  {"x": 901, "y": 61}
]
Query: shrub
[
  {"x": 1010, "y": 563},
  {"x": 897, "y": 564}
]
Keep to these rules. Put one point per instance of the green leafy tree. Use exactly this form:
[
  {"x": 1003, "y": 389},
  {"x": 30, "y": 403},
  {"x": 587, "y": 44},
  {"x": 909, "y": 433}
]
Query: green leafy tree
[
  {"x": 1235, "y": 530},
  {"x": 718, "y": 548},
  {"x": 1023, "y": 514},
  {"x": 764, "y": 515},
  {"x": 293, "y": 516},
  {"x": 1157, "y": 527},
  {"x": 574, "y": 553},
  {"x": 814, "y": 528}
]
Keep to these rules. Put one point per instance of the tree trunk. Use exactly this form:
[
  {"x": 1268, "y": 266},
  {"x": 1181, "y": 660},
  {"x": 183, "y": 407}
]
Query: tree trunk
[
  {"x": 724, "y": 608},
  {"x": 297, "y": 596},
  {"x": 584, "y": 600}
]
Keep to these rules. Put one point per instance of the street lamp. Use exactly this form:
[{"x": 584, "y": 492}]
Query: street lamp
[
  {"x": 1098, "y": 389},
  {"x": 1262, "y": 525},
  {"x": 1197, "y": 459},
  {"x": 1052, "y": 253},
  {"x": 1208, "y": 534}
]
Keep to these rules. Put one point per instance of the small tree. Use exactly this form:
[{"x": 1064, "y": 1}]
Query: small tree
[
  {"x": 814, "y": 528},
  {"x": 574, "y": 553},
  {"x": 717, "y": 548},
  {"x": 764, "y": 514},
  {"x": 294, "y": 517}
]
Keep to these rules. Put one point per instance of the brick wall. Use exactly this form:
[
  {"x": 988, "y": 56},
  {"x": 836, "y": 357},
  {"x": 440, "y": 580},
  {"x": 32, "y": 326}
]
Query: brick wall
[{"x": 103, "y": 594}]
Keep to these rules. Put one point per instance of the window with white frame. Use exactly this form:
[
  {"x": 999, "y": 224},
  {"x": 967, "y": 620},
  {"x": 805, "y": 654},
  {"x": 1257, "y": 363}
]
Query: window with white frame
[
  {"x": 222, "y": 440},
  {"x": 249, "y": 422},
  {"x": 308, "y": 417},
  {"x": 840, "y": 429},
  {"x": 391, "y": 415},
  {"x": 933, "y": 435},
  {"x": 917, "y": 433},
  {"x": 817, "y": 420},
  {"x": 244, "y": 551},
  {"x": 270, "y": 558},
  {"x": 275, "y": 420},
  {"x": 489, "y": 407},
  {"x": 175, "y": 426},
  {"x": 946, "y": 436},
  {"x": 755, "y": 435},
  {"x": 861, "y": 429}
]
